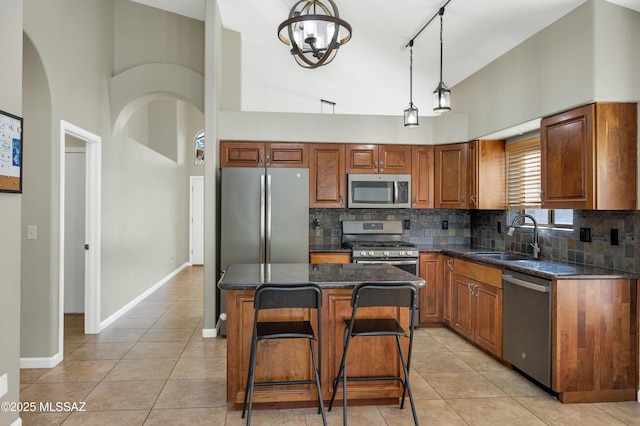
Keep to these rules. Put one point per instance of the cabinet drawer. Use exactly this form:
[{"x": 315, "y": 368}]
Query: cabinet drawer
[
  {"x": 465, "y": 268},
  {"x": 489, "y": 275}
]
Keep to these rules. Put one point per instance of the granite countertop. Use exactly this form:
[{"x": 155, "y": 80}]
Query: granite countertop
[
  {"x": 549, "y": 269},
  {"x": 329, "y": 275}
]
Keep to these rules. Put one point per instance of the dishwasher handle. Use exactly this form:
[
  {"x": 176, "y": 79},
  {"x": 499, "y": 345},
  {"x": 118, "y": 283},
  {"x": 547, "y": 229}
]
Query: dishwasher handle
[{"x": 526, "y": 284}]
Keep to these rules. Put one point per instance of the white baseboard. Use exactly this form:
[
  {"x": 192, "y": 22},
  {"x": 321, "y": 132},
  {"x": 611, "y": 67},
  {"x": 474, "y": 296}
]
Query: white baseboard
[
  {"x": 50, "y": 362},
  {"x": 17, "y": 422},
  {"x": 41, "y": 362},
  {"x": 209, "y": 332},
  {"x": 126, "y": 308},
  {"x": 639, "y": 396}
]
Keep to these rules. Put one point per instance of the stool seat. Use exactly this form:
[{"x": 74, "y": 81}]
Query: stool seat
[
  {"x": 376, "y": 327},
  {"x": 285, "y": 330}
]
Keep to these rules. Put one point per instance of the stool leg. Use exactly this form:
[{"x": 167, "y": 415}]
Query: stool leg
[
  {"x": 406, "y": 384},
  {"x": 319, "y": 388},
  {"x": 252, "y": 380},
  {"x": 249, "y": 374}
]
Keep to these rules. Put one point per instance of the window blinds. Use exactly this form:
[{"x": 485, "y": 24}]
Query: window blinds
[{"x": 523, "y": 174}]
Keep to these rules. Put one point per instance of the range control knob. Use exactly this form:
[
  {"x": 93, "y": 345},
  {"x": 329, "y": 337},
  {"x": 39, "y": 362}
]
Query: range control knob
[
  {"x": 409, "y": 253},
  {"x": 371, "y": 253},
  {"x": 385, "y": 253},
  {"x": 363, "y": 253},
  {"x": 400, "y": 253}
]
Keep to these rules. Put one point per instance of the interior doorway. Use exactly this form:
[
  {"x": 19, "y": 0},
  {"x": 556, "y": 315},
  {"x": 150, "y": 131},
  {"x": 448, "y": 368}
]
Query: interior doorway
[
  {"x": 196, "y": 224},
  {"x": 74, "y": 226},
  {"x": 92, "y": 216}
]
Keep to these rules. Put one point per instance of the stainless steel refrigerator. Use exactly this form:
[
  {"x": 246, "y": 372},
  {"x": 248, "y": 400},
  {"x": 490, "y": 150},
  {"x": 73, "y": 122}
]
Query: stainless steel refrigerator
[{"x": 264, "y": 218}]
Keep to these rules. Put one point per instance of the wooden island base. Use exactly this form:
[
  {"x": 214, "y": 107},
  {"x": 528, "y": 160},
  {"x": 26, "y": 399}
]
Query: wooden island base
[{"x": 280, "y": 360}]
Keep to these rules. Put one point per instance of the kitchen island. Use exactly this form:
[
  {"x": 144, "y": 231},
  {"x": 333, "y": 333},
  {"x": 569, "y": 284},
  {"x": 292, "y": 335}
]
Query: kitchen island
[{"x": 284, "y": 360}]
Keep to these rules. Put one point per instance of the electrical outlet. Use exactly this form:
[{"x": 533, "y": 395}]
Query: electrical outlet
[
  {"x": 32, "y": 232},
  {"x": 445, "y": 224},
  {"x": 499, "y": 228},
  {"x": 614, "y": 237},
  {"x": 406, "y": 224},
  {"x": 585, "y": 235}
]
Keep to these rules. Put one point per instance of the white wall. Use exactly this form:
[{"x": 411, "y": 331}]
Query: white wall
[
  {"x": 144, "y": 194},
  {"x": 11, "y": 231}
]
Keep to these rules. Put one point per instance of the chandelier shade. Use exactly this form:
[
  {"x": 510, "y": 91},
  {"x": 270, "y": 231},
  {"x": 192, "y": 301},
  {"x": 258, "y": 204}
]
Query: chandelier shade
[{"x": 315, "y": 32}]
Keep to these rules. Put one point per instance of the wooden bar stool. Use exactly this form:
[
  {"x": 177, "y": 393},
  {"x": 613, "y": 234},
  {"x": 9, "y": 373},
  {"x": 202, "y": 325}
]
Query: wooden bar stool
[
  {"x": 275, "y": 296},
  {"x": 402, "y": 295}
]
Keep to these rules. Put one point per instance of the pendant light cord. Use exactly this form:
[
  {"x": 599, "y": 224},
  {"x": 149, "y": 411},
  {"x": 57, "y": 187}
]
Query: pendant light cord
[
  {"x": 441, "y": 48},
  {"x": 411, "y": 72}
]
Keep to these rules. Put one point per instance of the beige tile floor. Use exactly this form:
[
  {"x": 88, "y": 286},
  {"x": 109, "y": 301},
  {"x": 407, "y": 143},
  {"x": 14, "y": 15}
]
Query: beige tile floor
[{"x": 153, "y": 367}]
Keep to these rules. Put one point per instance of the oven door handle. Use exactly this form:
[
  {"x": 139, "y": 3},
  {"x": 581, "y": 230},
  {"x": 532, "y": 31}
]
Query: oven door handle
[{"x": 388, "y": 262}]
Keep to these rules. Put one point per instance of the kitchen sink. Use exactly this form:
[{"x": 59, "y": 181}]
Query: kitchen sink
[{"x": 504, "y": 256}]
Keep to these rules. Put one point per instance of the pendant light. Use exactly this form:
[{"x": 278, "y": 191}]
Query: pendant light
[
  {"x": 442, "y": 94},
  {"x": 314, "y": 31},
  {"x": 411, "y": 113}
]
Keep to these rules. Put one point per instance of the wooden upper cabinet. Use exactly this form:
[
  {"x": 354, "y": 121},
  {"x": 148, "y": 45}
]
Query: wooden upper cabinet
[
  {"x": 451, "y": 182},
  {"x": 263, "y": 154},
  {"x": 327, "y": 176},
  {"x": 390, "y": 159},
  {"x": 394, "y": 159},
  {"x": 242, "y": 154},
  {"x": 487, "y": 174},
  {"x": 589, "y": 158},
  {"x": 422, "y": 176}
]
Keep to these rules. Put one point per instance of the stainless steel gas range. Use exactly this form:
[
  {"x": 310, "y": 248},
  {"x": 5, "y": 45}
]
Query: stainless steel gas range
[{"x": 379, "y": 241}]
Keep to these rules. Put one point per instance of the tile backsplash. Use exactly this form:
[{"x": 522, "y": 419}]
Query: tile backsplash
[
  {"x": 480, "y": 229},
  {"x": 565, "y": 245},
  {"x": 425, "y": 224}
]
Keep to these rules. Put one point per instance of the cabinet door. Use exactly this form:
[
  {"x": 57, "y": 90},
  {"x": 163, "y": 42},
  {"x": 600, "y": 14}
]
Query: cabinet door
[
  {"x": 463, "y": 303},
  {"x": 447, "y": 290},
  {"x": 430, "y": 295},
  {"x": 316, "y": 258},
  {"x": 566, "y": 148},
  {"x": 287, "y": 155},
  {"x": 488, "y": 321},
  {"x": 487, "y": 175},
  {"x": 394, "y": 159},
  {"x": 327, "y": 176},
  {"x": 362, "y": 158},
  {"x": 422, "y": 175},
  {"x": 242, "y": 154},
  {"x": 451, "y": 165}
]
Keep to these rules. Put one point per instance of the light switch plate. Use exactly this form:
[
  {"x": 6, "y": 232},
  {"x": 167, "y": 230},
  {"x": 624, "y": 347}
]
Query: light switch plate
[
  {"x": 4, "y": 388},
  {"x": 32, "y": 232}
]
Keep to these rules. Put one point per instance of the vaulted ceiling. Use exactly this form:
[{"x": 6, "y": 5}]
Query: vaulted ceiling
[{"x": 370, "y": 74}]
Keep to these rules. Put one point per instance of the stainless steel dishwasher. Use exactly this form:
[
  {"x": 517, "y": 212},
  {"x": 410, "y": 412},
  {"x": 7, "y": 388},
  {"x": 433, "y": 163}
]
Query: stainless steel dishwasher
[{"x": 527, "y": 324}]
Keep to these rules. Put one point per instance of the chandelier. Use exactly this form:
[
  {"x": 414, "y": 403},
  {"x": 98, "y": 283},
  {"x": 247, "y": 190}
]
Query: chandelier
[{"x": 314, "y": 31}]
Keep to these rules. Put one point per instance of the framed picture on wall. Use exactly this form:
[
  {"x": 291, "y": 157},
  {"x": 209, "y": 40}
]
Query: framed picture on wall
[{"x": 10, "y": 153}]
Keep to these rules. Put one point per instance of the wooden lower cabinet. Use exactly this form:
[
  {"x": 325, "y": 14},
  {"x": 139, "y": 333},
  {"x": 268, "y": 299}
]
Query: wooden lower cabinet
[
  {"x": 595, "y": 340},
  {"x": 279, "y": 359},
  {"x": 447, "y": 279},
  {"x": 477, "y": 304},
  {"x": 430, "y": 296},
  {"x": 316, "y": 258}
]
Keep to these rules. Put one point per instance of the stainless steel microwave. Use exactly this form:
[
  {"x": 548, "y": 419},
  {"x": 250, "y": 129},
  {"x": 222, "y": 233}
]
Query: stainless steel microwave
[{"x": 379, "y": 191}]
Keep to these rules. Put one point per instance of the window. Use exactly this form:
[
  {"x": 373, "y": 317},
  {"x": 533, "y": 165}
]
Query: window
[
  {"x": 198, "y": 143},
  {"x": 523, "y": 186}
]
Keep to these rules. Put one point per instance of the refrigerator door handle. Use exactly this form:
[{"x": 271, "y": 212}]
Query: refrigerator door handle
[
  {"x": 262, "y": 218},
  {"x": 268, "y": 220}
]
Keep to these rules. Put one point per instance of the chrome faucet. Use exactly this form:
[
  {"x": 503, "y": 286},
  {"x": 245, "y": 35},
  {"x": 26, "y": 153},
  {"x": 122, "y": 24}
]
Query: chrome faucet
[{"x": 534, "y": 244}]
